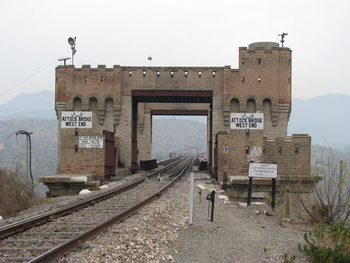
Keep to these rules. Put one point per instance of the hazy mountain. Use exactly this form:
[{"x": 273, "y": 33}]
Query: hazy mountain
[
  {"x": 171, "y": 135},
  {"x": 319, "y": 117},
  {"x": 324, "y": 118},
  {"x": 30, "y": 106}
]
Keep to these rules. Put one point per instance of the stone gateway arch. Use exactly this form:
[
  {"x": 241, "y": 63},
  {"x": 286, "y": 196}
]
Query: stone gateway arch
[{"x": 121, "y": 100}]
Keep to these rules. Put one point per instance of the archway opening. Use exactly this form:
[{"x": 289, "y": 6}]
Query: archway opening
[{"x": 176, "y": 135}]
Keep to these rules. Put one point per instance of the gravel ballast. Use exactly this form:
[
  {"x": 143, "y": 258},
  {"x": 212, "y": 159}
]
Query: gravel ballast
[{"x": 161, "y": 232}]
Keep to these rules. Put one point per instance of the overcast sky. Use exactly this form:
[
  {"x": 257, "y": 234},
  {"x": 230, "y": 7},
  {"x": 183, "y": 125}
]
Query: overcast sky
[{"x": 34, "y": 35}]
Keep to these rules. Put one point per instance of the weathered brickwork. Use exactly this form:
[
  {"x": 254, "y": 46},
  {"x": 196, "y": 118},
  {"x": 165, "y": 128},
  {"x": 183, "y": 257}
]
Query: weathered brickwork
[
  {"x": 291, "y": 153},
  {"x": 261, "y": 84},
  {"x": 75, "y": 160}
]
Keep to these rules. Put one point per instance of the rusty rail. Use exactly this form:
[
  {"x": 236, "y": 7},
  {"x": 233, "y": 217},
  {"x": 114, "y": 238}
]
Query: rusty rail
[
  {"x": 60, "y": 250},
  {"x": 56, "y": 252},
  {"x": 19, "y": 226}
]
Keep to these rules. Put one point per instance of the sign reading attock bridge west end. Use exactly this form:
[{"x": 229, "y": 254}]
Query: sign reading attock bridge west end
[
  {"x": 245, "y": 121},
  {"x": 76, "y": 119}
]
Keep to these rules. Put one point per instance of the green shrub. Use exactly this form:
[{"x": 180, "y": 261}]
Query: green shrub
[
  {"x": 16, "y": 193},
  {"x": 328, "y": 244}
]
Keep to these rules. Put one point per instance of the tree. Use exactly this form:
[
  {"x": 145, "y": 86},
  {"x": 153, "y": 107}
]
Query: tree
[
  {"x": 329, "y": 199},
  {"x": 16, "y": 193}
]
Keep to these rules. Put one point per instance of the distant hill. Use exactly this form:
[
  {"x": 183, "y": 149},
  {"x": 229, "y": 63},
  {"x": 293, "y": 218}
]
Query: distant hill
[
  {"x": 171, "y": 135},
  {"x": 13, "y": 148},
  {"x": 324, "y": 118},
  {"x": 30, "y": 106}
]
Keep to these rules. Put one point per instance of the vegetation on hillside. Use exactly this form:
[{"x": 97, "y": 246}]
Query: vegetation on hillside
[
  {"x": 13, "y": 148},
  {"x": 327, "y": 244},
  {"x": 16, "y": 193},
  {"x": 329, "y": 200},
  {"x": 169, "y": 135},
  {"x": 328, "y": 205}
]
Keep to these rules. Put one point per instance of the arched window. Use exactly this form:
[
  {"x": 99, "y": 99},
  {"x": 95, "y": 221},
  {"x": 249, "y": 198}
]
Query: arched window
[
  {"x": 234, "y": 105},
  {"x": 77, "y": 104},
  {"x": 251, "y": 106},
  {"x": 93, "y": 104},
  {"x": 267, "y": 107},
  {"x": 267, "y": 110},
  {"x": 109, "y": 105}
]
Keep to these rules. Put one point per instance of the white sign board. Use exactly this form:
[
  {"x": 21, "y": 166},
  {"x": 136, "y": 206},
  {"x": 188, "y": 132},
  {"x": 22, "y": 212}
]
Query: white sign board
[
  {"x": 76, "y": 119},
  {"x": 95, "y": 142},
  {"x": 262, "y": 170},
  {"x": 247, "y": 121}
]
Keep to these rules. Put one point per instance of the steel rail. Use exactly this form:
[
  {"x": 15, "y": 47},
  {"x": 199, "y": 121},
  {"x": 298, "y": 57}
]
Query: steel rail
[
  {"x": 57, "y": 252},
  {"x": 159, "y": 171},
  {"x": 19, "y": 226}
]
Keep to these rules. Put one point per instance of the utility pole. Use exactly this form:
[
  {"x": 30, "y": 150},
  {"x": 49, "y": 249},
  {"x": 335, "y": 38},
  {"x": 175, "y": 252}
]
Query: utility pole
[{"x": 29, "y": 153}]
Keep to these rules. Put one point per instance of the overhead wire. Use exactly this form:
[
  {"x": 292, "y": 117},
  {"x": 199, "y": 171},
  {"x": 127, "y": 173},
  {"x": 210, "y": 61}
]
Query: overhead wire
[
  {"x": 29, "y": 164},
  {"x": 23, "y": 81}
]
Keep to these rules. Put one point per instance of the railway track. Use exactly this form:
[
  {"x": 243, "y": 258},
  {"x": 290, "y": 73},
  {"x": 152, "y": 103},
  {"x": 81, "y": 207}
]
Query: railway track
[{"x": 47, "y": 237}]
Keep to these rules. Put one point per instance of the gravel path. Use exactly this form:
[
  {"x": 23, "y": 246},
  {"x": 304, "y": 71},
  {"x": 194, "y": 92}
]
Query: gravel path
[
  {"x": 161, "y": 233},
  {"x": 237, "y": 234}
]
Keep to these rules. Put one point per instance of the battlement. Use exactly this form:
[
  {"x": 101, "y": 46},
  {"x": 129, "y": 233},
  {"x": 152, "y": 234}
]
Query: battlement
[
  {"x": 141, "y": 68},
  {"x": 266, "y": 47}
]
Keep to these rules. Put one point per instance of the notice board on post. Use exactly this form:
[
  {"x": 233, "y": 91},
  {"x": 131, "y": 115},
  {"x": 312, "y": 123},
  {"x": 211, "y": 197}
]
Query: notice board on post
[{"x": 262, "y": 170}]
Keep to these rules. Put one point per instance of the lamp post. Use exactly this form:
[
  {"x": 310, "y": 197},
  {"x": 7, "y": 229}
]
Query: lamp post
[
  {"x": 71, "y": 42},
  {"x": 29, "y": 154}
]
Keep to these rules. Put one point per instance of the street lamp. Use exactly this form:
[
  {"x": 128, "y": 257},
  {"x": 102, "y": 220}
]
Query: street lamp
[{"x": 29, "y": 153}]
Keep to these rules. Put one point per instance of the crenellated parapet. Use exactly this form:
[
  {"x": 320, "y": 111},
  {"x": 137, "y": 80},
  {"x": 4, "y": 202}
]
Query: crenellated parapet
[
  {"x": 89, "y": 89},
  {"x": 261, "y": 84},
  {"x": 122, "y": 100}
]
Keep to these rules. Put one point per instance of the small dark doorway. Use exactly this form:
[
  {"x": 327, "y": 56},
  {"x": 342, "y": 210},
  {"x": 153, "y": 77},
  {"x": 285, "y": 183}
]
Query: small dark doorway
[{"x": 110, "y": 154}]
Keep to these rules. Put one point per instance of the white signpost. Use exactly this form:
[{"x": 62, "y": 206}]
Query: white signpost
[
  {"x": 243, "y": 121},
  {"x": 91, "y": 142},
  {"x": 262, "y": 170},
  {"x": 76, "y": 119}
]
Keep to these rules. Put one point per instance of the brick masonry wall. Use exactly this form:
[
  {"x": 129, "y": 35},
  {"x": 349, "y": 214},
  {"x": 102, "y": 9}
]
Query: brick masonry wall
[
  {"x": 261, "y": 84},
  {"x": 80, "y": 161},
  {"x": 292, "y": 153}
]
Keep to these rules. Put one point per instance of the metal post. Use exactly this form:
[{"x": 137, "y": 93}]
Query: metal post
[
  {"x": 212, "y": 205},
  {"x": 191, "y": 198},
  {"x": 250, "y": 186},
  {"x": 29, "y": 153},
  {"x": 273, "y": 194}
]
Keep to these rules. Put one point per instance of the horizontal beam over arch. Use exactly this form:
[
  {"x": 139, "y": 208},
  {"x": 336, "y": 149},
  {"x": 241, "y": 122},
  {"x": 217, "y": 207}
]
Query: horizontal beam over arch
[
  {"x": 172, "y": 96},
  {"x": 180, "y": 112}
]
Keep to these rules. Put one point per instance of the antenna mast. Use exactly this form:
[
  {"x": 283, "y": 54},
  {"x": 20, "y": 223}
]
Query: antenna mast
[
  {"x": 282, "y": 37},
  {"x": 64, "y": 60}
]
